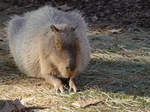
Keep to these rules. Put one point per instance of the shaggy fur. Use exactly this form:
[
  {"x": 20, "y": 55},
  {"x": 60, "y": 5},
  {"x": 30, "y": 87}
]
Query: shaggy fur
[{"x": 26, "y": 32}]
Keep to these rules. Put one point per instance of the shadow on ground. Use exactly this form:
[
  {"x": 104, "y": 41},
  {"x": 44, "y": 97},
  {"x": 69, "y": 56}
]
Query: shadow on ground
[{"x": 117, "y": 77}]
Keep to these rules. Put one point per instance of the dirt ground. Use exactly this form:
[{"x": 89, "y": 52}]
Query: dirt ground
[{"x": 118, "y": 75}]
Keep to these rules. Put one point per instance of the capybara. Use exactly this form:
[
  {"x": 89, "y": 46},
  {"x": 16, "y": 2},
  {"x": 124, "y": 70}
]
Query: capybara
[{"x": 50, "y": 44}]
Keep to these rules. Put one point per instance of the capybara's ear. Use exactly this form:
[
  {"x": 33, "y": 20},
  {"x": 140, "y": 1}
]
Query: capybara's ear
[{"x": 54, "y": 29}]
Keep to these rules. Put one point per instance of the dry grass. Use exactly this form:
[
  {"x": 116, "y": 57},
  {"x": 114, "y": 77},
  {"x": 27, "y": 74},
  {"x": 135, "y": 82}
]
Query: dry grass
[{"x": 118, "y": 76}]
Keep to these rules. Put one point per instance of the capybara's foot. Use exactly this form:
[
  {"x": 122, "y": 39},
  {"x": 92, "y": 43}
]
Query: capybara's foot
[
  {"x": 56, "y": 82},
  {"x": 72, "y": 85},
  {"x": 58, "y": 86}
]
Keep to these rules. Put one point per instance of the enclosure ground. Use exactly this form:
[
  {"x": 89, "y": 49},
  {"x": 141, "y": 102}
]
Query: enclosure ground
[{"x": 116, "y": 80}]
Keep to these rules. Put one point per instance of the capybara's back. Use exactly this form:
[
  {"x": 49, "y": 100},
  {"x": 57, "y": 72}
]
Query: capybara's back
[{"x": 49, "y": 43}]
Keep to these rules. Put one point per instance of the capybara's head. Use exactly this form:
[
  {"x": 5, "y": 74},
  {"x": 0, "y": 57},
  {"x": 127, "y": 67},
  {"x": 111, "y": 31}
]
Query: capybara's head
[{"x": 65, "y": 50}]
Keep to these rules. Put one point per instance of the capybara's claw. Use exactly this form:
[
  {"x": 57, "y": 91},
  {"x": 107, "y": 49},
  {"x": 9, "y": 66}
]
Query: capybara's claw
[
  {"x": 72, "y": 86},
  {"x": 61, "y": 89}
]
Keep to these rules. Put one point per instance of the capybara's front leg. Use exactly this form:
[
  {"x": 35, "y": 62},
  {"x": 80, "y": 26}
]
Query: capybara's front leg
[
  {"x": 47, "y": 70},
  {"x": 72, "y": 85},
  {"x": 56, "y": 82}
]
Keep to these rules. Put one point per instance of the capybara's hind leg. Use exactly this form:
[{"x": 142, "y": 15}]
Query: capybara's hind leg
[
  {"x": 72, "y": 85},
  {"x": 56, "y": 82}
]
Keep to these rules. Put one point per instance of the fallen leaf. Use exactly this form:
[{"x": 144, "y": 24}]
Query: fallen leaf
[{"x": 84, "y": 103}]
